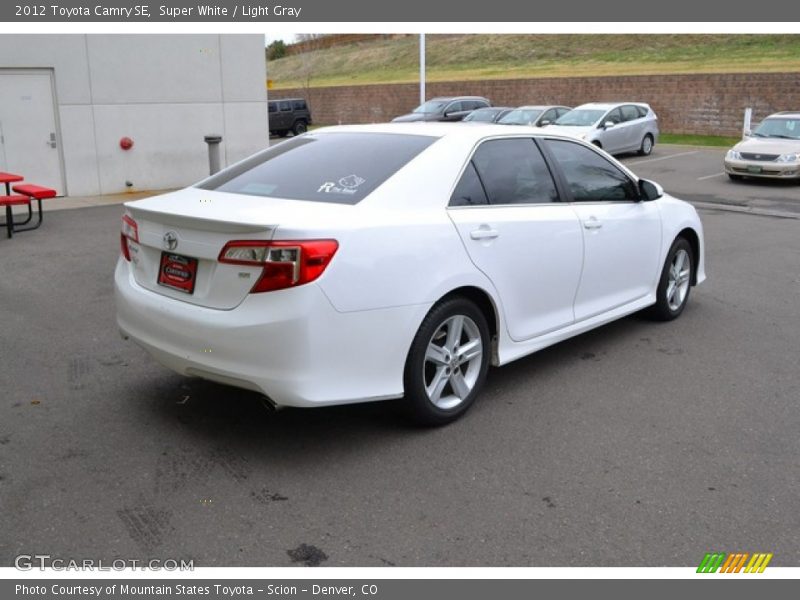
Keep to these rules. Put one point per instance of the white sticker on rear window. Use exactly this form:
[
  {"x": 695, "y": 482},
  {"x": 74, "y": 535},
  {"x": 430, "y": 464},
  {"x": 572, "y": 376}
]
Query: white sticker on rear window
[{"x": 345, "y": 185}]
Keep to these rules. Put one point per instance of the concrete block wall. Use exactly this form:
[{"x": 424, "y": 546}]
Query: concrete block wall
[
  {"x": 163, "y": 91},
  {"x": 706, "y": 104}
]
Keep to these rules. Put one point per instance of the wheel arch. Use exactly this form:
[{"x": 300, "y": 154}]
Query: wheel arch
[
  {"x": 690, "y": 235},
  {"x": 486, "y": 304}
]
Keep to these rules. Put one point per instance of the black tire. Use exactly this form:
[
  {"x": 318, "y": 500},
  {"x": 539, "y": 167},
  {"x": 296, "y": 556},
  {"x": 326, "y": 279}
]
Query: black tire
[
  {"x": 734, "y": 177},
  {"x": 299, "y": 127},
  {"x": 283, "y": 132},
  {"x": 666, "y": 309},
  {"x": 417, "y": 403},
  {"x": 647, "y": 145}
]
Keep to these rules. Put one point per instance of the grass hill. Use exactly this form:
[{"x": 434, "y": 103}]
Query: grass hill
[{"x": 496, "y": 56}]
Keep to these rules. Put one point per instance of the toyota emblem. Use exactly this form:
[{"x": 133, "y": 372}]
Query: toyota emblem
[{"x": 170, "y": 240}]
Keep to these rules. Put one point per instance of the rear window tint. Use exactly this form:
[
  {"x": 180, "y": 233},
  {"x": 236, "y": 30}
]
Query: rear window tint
[{"x": 341, "y": 168}]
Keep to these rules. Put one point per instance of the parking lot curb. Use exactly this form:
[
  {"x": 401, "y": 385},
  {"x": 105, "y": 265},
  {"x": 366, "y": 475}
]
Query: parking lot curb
[{"x": 748, "y": 210}]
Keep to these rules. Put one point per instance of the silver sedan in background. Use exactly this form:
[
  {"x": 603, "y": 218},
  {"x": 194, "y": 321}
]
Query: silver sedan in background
[
  {"x": 617, "y": 127},
  {"x": 534, "y": 116}
]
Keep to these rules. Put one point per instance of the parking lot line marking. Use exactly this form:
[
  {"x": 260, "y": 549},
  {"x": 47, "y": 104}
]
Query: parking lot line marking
[
  {"x": 638, "y": 162},
  {"x": 710, "y": 176}
]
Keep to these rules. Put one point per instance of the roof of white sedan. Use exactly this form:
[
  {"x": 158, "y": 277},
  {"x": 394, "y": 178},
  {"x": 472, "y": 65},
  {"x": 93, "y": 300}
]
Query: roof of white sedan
[{"x": 469, "y": 131}]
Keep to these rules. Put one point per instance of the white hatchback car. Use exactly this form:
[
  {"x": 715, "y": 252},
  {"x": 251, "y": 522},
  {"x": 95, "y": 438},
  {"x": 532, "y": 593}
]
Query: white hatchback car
[
  {"x": 617, "y": 127},
  {"x": 398, "y": 261}
]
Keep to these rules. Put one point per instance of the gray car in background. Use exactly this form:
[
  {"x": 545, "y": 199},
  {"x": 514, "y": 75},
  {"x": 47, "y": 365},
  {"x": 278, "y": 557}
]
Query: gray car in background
[
  {"x": 617, "y": 127},
  {"x": 534, "y": 116},
  {"x": 488, "y": 114},
  {"x": 448, "y": 108}
]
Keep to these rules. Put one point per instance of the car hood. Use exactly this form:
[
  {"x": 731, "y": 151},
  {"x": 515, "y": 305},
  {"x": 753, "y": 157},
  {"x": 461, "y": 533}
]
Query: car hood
[
  {"x": 768, "y": 146},
  {"x": 567, "y": 130},
  {"x": 412, "y": 117}
]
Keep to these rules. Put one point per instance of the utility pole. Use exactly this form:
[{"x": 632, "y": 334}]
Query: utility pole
[{"x": 422, "y": 68}]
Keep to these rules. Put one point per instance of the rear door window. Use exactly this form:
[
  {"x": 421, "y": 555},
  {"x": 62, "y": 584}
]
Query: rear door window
[
  {"x": 285, "y": 105},
  {"x": 299, "y": 104},
  {"x": 469, "y": 191},
  {"x": 341, "y": 168},
  {"x": 629, "y": 113},
  {"x": 513, "y": 171}
]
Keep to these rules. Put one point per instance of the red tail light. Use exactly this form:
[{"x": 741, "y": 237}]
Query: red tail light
[
  {"x": 285, "y": 263},
  {"x": 130, "y": 231}
]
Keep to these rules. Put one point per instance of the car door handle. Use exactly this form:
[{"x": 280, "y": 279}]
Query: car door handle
[
  {"x": 592, "y": 223},
  {"x": 484, "y": 234}
]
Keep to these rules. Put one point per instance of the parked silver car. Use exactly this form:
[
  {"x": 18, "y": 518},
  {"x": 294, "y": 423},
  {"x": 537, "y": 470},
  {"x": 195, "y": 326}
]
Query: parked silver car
[
  {"x": 534, "y": 116},
  {"x": 617, "y": 127},
  {"x": 771, "y": 150}
]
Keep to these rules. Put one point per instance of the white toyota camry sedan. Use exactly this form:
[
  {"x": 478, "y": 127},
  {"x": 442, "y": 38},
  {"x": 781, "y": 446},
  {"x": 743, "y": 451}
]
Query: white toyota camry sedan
[{"x": 373, "y": 262}]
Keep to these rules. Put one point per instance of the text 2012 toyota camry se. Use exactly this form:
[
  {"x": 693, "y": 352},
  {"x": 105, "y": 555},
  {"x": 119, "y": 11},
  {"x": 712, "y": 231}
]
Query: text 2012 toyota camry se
[{"x": 373, "y": 262}]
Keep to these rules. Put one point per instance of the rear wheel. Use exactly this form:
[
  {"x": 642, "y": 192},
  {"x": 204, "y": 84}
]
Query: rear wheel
[
  {"x": 675, "y": 283},
  {"x": 448, "y": 362},
  {"x": 299, "y": 127},
  {"x": 647, "y": 145}
]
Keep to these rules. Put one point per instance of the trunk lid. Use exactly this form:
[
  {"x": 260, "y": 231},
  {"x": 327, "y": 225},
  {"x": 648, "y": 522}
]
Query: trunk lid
[{"x": 191, "y": 227}]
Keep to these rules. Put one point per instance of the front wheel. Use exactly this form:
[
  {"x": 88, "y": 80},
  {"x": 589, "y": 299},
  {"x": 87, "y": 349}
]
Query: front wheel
[
  {"x": 448, "y": 362},
  {"x": 647, "y": 145},
  {"x": 675, "y": 283}
]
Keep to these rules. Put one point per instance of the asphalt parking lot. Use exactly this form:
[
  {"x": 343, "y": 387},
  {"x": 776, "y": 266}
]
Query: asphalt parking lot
[
  {"x": 697, "y": 174},
  {"x": 639, "y": 444}
]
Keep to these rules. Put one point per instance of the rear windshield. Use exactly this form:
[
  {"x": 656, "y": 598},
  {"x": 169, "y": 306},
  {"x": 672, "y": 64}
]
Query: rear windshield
[{"x": 342, "y": 168}]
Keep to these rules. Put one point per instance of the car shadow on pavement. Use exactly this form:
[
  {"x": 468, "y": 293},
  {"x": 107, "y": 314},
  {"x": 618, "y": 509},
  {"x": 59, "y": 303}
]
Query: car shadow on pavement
[{"x": 223, "y": 415}]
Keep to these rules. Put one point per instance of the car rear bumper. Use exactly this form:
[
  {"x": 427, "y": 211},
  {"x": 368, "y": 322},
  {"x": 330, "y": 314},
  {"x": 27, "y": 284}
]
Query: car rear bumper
[
  {"x": 767, "y": 169},
  {"x": 290, "y": 345}
]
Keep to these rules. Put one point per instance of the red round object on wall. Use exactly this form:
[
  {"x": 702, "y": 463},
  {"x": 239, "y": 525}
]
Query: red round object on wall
[{"x": 126, "y": 143}]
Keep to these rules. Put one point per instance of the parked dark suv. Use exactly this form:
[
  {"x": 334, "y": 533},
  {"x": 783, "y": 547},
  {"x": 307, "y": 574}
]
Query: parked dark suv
[
  {"x": 450, "y": 108},
  {"x": 288, "y": 114}
]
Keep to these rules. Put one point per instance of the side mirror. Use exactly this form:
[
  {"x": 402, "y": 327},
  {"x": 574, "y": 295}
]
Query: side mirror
[
  {"x": 608, "y": 124},
  {"x": 650, "y": 190},
  {"x": 748, "y": 133},
  {"x": 545, "y": 123}
]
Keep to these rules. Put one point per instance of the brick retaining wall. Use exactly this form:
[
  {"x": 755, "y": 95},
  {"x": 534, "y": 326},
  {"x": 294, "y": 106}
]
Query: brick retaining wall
[{"x": 710, "y": 104}]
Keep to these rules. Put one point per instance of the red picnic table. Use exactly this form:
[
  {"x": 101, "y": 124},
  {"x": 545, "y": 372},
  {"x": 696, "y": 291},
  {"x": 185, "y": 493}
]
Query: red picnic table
[
  {"x": 8, "y": 179},
  {"x": 24, "y": 195}
]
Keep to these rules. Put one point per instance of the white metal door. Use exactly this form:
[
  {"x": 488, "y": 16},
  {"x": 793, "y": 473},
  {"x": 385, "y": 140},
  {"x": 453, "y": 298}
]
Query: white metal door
[
  {"x": 30, "y": 140},
  {"x": 533, "y": 256},
  {"x": 622, "y": 242}
]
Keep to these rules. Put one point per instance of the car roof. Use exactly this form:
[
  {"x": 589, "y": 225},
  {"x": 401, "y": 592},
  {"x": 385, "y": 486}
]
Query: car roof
[
  {"x": 468, "y": 132},
  {"x": 608, "y": 105},
  {"x": 540, "y": 106},
  {"x": 786, "y": 114},
  {"x": 284, "y": 99},
  {"x": 443, "y": 98}
]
